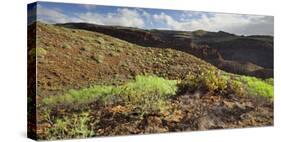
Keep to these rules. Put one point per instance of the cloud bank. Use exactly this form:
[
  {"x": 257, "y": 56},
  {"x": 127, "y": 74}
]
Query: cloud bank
[{"x": 143, "y": 18}]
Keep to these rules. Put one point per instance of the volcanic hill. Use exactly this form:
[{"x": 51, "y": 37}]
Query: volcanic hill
[{"x": 246, "y": 55}]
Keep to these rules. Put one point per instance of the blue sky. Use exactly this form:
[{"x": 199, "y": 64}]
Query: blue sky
[{"x": 151, "y": 18}]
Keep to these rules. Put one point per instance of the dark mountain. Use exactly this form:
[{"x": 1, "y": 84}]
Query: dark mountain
[{"x": 247, "y": 55}]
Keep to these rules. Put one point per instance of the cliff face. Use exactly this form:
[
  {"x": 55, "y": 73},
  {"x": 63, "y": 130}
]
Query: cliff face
[{"x": 250, "y": 54}]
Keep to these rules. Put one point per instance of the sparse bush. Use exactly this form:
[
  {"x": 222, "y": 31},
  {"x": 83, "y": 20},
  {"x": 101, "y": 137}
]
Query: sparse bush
[
  {"x": 85, "y": 49},
  {"x": 98, "y": 58},
  {"x": 100, "y": 40},
  {"x": 236, "y": 87},
  {"x": 213, "y": 81},
  {"x": 71, "y": 127},
  {"x": 113, "y": 54},
  {"x": 66, "y": 46},
  {"x": 87, "y": 39},
  {"x": 209, "y": 80},
  {"x": 119, "y": 50},
  {"x": 38, "y": 51}
]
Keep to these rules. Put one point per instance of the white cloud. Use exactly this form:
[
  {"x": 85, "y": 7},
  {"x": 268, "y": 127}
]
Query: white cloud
[
  {"x": 233, "y": 23},
  {"x": 169, "y": 21},
  {"x": 123, "y": 17},
  {"x": 54, "y": 15}
]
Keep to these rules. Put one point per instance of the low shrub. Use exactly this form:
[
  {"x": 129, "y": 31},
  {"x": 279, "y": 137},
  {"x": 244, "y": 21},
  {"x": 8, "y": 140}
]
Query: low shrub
[
  {"x": 113, "y": 54},
  {"x": 98, "y": 58},
  {"x": 100, "y": 40},
  {"x": 76, "y": 126},
  {"x": 38, "y": 51},
  {"x": 86, "y": 48},
  {"x": 224, "y": 83},
  {"x": 208, "y": 80},
  {"x": 236, "y": 87},
  {"x": 65, "y": 46}
]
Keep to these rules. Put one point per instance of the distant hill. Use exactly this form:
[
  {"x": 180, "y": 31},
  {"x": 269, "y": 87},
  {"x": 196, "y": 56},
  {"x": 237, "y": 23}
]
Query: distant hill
[{"x": 224, "y": 50}]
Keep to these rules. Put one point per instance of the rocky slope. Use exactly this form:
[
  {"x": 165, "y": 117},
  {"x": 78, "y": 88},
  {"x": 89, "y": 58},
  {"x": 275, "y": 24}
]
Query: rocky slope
[
  {"x": 75, "y": 58},
  {"x": 224, "y": 50}
]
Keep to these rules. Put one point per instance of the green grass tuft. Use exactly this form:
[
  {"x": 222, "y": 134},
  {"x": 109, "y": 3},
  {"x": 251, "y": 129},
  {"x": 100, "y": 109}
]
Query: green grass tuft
[
  {"x": 146, "y": 94},
  {"x": 144, "y": 85},
  {"x": 149, "y": 84}
]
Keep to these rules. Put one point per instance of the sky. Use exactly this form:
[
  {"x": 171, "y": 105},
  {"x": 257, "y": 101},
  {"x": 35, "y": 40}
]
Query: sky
[{"x": 145, "y": 18}]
